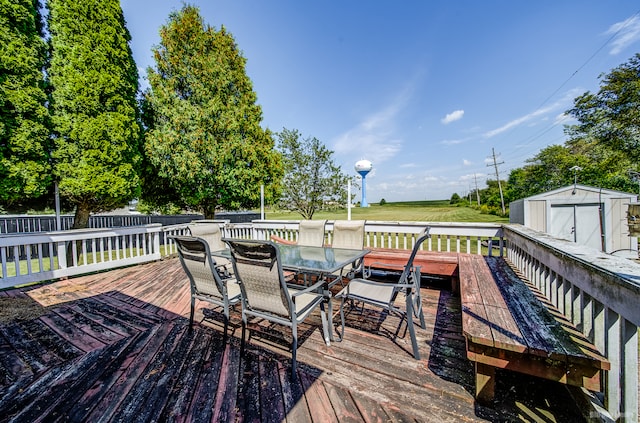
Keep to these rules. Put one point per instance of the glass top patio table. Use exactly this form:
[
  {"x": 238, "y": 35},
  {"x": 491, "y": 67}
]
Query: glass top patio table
[{"x": 312, "y": 259}]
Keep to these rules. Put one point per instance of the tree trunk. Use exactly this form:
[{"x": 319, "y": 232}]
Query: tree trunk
[
  {"x": 80, "y": 221},
  {"x": 209, "y": 210}
]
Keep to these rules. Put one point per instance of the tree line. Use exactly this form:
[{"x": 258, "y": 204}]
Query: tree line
[
  {"x": 602, "y": 148},
  {"x": 72, "y": 115}
]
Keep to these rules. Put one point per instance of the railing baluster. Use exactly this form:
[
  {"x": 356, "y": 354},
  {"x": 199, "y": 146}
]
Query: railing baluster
[
  {"x": 613, "y": 352},
  {"x": 630, "y": 377}
]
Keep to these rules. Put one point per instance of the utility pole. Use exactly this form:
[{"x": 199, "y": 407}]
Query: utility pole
[
  {"x": 495, "y": 165},
  {"x": 475, "y": 176}
]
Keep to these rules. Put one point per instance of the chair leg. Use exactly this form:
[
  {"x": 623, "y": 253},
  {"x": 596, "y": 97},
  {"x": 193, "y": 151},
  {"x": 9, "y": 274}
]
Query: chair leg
[
  {"x": 193, "y": 309},
  {"x": 325, "y": 332},
  {"x": 412, "y": 332},
  {"x": 294, "y": 349},
  {"x": 330, "y": 323},
  {"x": 341, "y": 318},
  {"x": 244, "y": 328},
  {"x": 226, "y": 325},
  {"x": 423, "y": 325}
]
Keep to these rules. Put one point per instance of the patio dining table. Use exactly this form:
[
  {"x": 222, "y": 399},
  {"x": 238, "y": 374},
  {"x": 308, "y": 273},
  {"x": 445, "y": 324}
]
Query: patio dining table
[{"x": 316, "y": 260}]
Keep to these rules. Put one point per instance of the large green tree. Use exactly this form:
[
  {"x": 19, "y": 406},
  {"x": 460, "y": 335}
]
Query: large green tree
[
  {"x": 204, "y": 141},
  {"x": 612, "y": 115},
  {"x": 94, "y": 108},
  {"x": 24, "y": 137},
  {"x": 312, "y": 180}
]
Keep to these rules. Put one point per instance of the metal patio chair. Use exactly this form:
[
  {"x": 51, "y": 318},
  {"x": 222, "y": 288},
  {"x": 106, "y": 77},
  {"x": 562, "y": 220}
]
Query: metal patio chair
[
  {"x": 348, "y": 234},
  {"x": 210, "y": 232},
  {"x": 310, "y": 233},
  {"x": 265, "y": 293},
  {"x": 208, "y": 281},
  {"x": 383, "y": 295}
]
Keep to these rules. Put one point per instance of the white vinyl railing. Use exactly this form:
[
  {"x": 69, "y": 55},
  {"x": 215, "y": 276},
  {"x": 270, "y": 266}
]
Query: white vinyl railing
[
  {"x": 29, "y": 258},
  {"x": 450, "y": 237},
  {"x": 599, "y": 293}
]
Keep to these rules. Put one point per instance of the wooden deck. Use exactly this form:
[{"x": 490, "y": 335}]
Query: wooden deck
[{"x": 115, "y": 346}]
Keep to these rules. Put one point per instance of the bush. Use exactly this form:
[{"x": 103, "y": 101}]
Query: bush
[{"x": 383, "y": 202}]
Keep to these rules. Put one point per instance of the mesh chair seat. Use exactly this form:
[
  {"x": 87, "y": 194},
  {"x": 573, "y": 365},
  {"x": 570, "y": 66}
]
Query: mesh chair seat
[{"x": 378, "y": 294}]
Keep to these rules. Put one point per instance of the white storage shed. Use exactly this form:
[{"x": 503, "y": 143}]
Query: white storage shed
[{"x": 586, "y": 215}]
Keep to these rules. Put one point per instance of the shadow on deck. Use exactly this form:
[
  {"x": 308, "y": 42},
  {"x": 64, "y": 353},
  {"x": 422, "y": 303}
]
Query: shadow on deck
[{"x": 115, "y": 346}]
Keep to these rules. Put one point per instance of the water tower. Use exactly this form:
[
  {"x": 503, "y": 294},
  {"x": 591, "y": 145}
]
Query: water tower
[{"x": 363, "y": 167}]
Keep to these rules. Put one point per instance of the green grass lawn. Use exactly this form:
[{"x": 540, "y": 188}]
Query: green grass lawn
[{"x": 413, "y": 211}]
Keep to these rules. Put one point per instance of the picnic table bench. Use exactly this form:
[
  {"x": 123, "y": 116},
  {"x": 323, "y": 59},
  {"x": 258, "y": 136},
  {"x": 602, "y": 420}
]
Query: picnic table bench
[
  {"x": 506, "y": 321},
  {"x": 507, "y": 326}
]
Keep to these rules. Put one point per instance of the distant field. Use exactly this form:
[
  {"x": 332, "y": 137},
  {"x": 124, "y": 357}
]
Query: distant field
[{"x": 420, "y": 211}]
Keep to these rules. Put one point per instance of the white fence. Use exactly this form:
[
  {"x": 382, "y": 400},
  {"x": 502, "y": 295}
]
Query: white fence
[
  {"x": 450, "y": 237},
  {"x": 38, "y": 257},
  {"x": 599, "y": 293}
]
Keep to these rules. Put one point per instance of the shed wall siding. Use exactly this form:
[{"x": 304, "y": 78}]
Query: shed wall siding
[{"x": 538, "y": 215}]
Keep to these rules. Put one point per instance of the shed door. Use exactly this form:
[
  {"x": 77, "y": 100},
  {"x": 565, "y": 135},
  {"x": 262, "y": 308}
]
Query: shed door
[{"x": 579, "y": 223}]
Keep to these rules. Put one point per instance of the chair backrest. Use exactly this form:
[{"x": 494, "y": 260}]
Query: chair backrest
[
  {"x": 258, "y": 270},
  {"x": 348, "y": 234},
  {"x": 422, "y": 236},
  {"x": 210, "y": 232},
  {"x": 197, "y": 262},
  {"x": 311, "y": 233}
]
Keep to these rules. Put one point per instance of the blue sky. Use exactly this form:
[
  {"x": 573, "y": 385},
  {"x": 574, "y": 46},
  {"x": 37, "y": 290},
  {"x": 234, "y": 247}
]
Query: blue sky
[{"x": 423, "y": 89}]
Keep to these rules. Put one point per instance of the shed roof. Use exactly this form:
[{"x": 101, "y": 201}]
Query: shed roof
[{"x": 581, "y": 188}]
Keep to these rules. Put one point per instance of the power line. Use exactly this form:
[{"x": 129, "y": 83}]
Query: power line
[
  {"x": 534, "y": 137},
  {"x": 615, "y": 34}
]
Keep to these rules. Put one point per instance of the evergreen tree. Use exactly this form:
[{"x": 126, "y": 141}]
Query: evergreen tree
[
  {"x": 94, "y": 109},
  {"x": 24, "y": 137},
  {"x": 204, "y": 139}
]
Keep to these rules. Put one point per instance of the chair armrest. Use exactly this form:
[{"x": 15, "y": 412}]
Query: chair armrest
[
  {"x": 312, "y": 288},
  {"x": 376, "y": 283},
  {"x": 400, "y": 286},
  {"x": 279, "y": 240}
]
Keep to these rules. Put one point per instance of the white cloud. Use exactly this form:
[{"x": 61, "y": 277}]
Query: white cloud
[
  {"x": 560, "y": 104},
  {"x": 466, "y": 162},
  {"x": 517, "y": 122},
  {"x": 625, "y": 33},
  {"x": 452, "y": 117}
]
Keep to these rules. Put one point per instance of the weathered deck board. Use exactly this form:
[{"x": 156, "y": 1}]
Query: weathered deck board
[{"x": 115, "y": 346}]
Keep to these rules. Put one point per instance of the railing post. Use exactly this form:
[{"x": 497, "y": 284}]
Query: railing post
[
  {"x": 62, "y": 254},
  {"x": 156, "y": 242}
]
